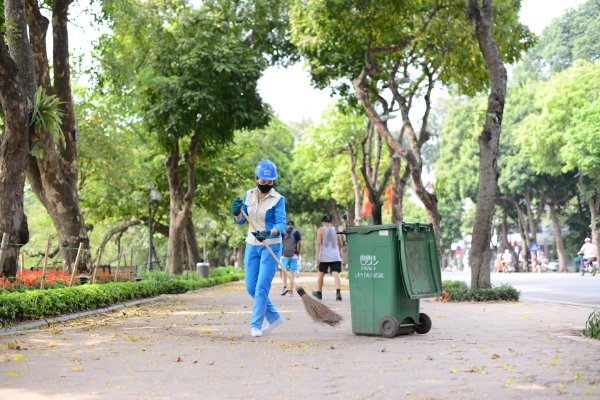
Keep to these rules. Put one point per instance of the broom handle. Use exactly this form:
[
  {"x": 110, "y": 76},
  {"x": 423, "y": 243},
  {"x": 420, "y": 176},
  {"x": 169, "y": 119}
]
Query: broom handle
[{"x": 266, "y": 244}]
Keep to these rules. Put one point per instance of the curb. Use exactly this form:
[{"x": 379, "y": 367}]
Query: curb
[{"x": 47, "y": 321}]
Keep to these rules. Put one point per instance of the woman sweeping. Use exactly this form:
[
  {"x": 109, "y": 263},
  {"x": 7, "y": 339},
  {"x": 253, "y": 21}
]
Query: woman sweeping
[{"x": 265, "y": 209}]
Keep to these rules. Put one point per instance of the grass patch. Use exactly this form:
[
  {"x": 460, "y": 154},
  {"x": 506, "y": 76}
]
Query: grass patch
[
  {"x": 460, "y": 291},
  {"x": 592, "y": 326}
]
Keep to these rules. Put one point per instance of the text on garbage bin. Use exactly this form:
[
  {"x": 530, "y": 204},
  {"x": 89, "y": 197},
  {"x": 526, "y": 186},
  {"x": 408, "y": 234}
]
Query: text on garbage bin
[{"x": 368, "y": 266}]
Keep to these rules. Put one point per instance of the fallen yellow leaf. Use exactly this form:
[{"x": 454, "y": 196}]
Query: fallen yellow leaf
[
  {"x": 481, "y": 370},
  {"x": 14, "y": 345}
]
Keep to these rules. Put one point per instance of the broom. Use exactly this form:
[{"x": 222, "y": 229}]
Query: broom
[
  {"x": 315, "y": 309},
  {"x": 318, "y": 311}
]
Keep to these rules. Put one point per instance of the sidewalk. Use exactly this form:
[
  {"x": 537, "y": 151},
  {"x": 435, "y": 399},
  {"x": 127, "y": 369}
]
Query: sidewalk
[{"x": 198, "y": 346}]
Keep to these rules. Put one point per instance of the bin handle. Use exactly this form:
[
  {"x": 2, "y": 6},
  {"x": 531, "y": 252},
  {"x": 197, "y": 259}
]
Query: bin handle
[
  {"x": 408, "y": 227},
  {"x": 424, "y": 228}
]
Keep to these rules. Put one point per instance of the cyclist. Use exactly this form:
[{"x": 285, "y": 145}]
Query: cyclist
[{"x": 588, "y": 252}]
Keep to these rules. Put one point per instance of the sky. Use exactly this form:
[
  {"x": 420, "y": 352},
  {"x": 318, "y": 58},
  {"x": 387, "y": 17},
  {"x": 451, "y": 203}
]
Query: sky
[{"x": 289, "y": 91}]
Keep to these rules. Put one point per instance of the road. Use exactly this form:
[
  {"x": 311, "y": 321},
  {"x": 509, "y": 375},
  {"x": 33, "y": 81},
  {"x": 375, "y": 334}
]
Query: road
[
  {"x": 198, "y": 345},
  {"x": 553, "y": 286}
]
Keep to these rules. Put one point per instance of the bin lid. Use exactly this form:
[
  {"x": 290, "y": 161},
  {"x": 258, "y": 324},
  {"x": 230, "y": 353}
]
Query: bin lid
[
  {"x": 419, "y": 261},
  {"x": 366, "y": 229}
]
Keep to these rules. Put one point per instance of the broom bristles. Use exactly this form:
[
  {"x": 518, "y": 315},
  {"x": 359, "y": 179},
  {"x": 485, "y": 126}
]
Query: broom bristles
[{"x": 318, "y": 311}]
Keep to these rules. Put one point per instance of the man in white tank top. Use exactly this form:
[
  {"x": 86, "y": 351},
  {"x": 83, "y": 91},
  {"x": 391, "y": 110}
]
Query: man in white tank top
[{"x": 327, "y": 256}]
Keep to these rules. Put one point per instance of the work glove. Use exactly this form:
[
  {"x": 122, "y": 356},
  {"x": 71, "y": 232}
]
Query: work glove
[
  {"x": 261, "y": 235},
  {"x": 236, "y": 206}
]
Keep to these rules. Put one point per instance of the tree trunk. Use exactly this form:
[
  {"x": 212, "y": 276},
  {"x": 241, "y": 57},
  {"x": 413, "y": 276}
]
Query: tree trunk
[
  {"x": 194, "y": 255},
  {"x": 15, "y": 64},
  {"x": 53, "y": 173},
  {"x": 429, "y": 200},
  {"x": 412, "y": 152},
  {"x": 176, "y": 215},
  {"x": 558, "y": 238},
  {"x": 400, "y": 181},
  {"x": 481, "y": 18},
  {"x": 594, "y": 206},
  {"x": 375, "y": 182},
  {"x": 504, "y": 243},
  {"x": 358, "y": 201},
  {"x": 180, "y": 203},
  {"x": 523, "y": 224}
]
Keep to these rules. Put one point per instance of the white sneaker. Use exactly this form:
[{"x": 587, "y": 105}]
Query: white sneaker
[
  {"x": 273, "y": 325},
  {"x": 255, "y": 332}
]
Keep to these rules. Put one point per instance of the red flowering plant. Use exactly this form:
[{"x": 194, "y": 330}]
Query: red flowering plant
[
  {"x": 32, "y": 279},
  {"x": 53, "y": 278}
]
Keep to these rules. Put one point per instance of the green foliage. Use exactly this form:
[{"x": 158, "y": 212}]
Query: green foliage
[
  {"x": 18, "y": 307},
  {"x": 458, "y": 163},
  {"x": 197, "y": 75},
  {"x": 116, "y": 156},
  {"x": 46, "y": 114},
  {"x": 592, "y": 325},
  {"x": 568, "y": 38},
  {"x": 563, "y": 134},
  {"x": 195, "y": 80},
  {"x": 322, "y": 160},
  {"x": 548, "y": 135},
  {"x": 335, "y": 35},
  {"x": 412, "y": 210},
  {"x": 454, "y": 286},
  {"x": 459, "y": 291}
]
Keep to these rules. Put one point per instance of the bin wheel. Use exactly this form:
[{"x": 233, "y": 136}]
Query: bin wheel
[
  {"x": 388, "y": 326},
  {"x": 424, "y": 324}
]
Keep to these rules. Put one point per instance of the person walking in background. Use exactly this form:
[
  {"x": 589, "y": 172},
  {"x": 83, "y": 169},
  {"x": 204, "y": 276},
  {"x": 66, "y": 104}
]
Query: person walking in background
[
  {"x": 327, "y": 256},
  {"x": 290, "y": 254},
  {"x": 265, "y": 209}
]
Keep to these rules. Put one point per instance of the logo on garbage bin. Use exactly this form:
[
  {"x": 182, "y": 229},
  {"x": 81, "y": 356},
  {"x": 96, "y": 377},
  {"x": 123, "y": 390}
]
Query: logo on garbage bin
[{"x": 368, "y": 260}]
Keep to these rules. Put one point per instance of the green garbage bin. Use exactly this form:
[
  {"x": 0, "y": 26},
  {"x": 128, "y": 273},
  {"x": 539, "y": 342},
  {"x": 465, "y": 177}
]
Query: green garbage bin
[
  {"x": 576, "y": 263},
  {"x": 390, "y": 268}
]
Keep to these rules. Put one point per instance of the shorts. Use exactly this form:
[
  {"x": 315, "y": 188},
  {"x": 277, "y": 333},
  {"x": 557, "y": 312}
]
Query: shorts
[
  {"x": 325, "y": 266},
  {"x": 290, "y": 264}
]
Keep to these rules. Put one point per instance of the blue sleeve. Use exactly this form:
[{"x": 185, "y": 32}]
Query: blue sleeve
[
  {"x": 297, "y": 236},
  {"x": 280, "y": 216}
]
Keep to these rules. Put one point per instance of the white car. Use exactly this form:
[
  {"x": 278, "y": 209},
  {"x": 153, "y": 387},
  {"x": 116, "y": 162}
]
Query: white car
[{"x": 552, "y": 266}]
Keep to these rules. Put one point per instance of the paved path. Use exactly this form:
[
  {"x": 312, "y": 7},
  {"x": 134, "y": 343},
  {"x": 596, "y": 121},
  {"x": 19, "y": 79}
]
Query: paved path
[{"x": 197, "y": 346}]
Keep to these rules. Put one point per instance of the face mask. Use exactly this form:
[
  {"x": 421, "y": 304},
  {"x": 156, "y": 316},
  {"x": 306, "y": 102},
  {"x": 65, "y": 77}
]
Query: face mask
[
  {"x": 289, "y": 229},
  {"x": 264, "y": 188}
]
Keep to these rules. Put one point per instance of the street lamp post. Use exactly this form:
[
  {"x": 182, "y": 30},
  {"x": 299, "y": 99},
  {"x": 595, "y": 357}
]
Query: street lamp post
[
  {"x": 203, "y": 267},
  {"x": 154, "y": 199},
  {"x": 204, "y": 249}
]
